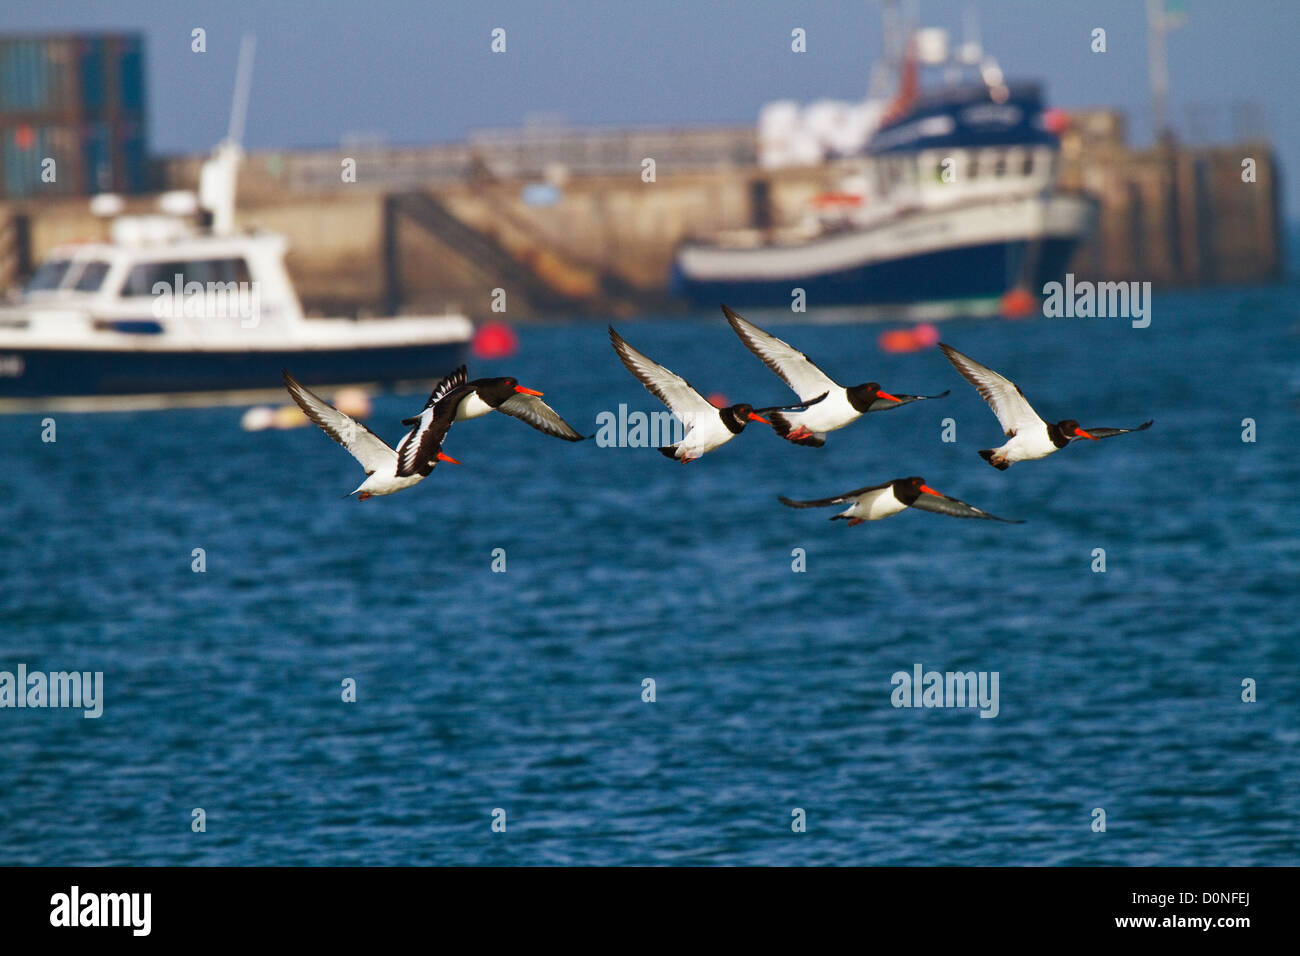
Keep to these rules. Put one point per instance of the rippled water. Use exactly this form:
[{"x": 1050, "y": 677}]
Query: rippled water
[{"x": 522, "y": 690}]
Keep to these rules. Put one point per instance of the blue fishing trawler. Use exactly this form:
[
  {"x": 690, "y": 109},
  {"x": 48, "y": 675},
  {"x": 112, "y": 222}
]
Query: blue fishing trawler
[{"x": 952, "y": 204}]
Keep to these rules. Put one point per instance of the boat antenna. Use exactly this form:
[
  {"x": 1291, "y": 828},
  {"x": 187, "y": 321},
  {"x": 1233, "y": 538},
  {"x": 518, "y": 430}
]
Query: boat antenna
[
  {"x": 243, "y": 86},
  {"x": 219, "y": 175},
  {"x": 885, "y": 71}
]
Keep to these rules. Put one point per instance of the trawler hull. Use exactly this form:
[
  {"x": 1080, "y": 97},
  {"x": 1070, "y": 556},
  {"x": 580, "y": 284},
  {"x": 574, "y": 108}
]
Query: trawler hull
[{"x": 954, "y": 257}]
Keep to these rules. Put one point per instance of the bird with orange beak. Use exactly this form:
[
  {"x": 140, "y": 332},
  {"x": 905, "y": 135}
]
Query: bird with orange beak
[
  {"x": 1030, "y": 436},
  {"x": 462, "y": 400},
  {"x": 706, "y": 427},
  {"x": 892, "y": 497},
  {"x": 843, "y": 405}
]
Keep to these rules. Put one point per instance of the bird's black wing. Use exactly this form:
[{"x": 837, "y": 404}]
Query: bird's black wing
[
  {"x": 837, "y": 500},
  {"x": 1100, "y": 433},
  {"x": 534, "y": 411},
  {"x": 884, "y": 404},
  {"x": 942, "y": 504}
]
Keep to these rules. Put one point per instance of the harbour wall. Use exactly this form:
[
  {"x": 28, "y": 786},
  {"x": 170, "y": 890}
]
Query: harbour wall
[{"x": 567, "y": 223}]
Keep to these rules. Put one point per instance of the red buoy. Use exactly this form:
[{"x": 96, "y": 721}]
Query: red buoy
[
  {"x": 494, "y": 340},
  {"x": 1019, "y": 303}
]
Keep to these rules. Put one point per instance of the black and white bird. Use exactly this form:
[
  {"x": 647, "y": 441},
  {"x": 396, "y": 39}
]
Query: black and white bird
[
  {"x": 387, "y": 470},
  {"x": 706, "y": 427},
  {"x": 1030, "y": 436},
  {"x": 466, "y": 400},
  {"x": 842, "y": 405},
  {"x": 882, "y": 501}
]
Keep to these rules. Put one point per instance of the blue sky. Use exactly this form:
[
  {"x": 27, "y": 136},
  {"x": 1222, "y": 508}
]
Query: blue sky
[{"x": 416, "y": 71}]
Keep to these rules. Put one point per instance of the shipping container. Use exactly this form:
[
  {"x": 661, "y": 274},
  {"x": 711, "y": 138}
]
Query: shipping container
[
  {"x": 91, "y": 74},
  {"x": 38, "y": 75},
  {"x": 133, "y": 167},
  {"x": 42, "y": 161},
  {"x": 82, "y": 93}
]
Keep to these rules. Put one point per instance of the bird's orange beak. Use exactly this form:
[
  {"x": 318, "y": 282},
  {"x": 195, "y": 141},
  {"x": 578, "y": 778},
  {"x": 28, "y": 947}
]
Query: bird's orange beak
[
  {"x": 527, "y": 391},
  {"x": 754, "y": 417},
  {"x": 1083, "y": 434},
  {"x": 886, "y": 395},
  {"x": 442, "y": 457},
  {"x": 930, "y": 491}
]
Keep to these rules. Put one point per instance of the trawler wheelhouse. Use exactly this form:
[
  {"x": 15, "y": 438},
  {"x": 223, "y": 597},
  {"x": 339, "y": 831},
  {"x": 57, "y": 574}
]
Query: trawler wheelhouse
[{"x": 965, "y": 144}]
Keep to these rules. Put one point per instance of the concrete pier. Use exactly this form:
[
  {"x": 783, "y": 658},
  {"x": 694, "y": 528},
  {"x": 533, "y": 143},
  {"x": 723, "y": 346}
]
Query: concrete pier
[{"x": 567, "y": 225}]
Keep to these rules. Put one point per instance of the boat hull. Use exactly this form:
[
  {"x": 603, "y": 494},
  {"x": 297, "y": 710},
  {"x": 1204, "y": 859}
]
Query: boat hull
[
  {"x": 957, "y": 257},
  {"x": 36, "y": 377}
]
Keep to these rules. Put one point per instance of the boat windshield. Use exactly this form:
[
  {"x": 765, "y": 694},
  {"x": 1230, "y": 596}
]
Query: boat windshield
[
  {"x": 49, "y": 275},
  {"x": 92, "y": 276}
]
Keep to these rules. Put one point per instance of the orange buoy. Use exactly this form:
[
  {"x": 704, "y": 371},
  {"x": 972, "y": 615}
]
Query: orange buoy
[
  {"x": 1019, "y": 303},
  {"x": 911, "y": 339},
  {"x": 494, "y": 340},
  {"x": 1056, "y": 121},
  {"x": 718, "y": 400}
]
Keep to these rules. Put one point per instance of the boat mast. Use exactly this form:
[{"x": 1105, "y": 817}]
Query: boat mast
[
  {"x": 885, "y": 72},
  {"x": 220, "y": 173},
  {"x": 1159, "y": 68}
]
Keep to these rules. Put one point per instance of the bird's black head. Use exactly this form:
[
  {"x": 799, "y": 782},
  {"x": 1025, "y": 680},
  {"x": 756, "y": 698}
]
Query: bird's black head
[
  {"x": 1069, "y": 429},
  {"x": 736, "y": 417},
  {"x": 862, "y": 396},
  {"x": 494, "y": 391},
  {"x": 908, "y": 490}
]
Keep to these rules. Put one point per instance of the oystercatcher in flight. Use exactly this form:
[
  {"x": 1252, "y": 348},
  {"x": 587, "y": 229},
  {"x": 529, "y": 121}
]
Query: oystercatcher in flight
[
  {"x": 387, "y": 470},
  {"x": 466, "y": 400},
  {"x": 707, "y": 427},
  {"x": 842, "y": 406},
  {"x": 882, "y": 501},
  {"x": 1031, "y": 437}
]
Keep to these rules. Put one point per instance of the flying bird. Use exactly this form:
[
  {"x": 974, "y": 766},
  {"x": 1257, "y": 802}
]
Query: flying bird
[
  {"x": 1031, "y": 437},
  {"x": 842, "y": 406},
  {"x": 466, "y": 400},
  {"x": 387, "y": 470},
  {"x": 882, "y": 501},
  {"x": 707, "y": 427}
]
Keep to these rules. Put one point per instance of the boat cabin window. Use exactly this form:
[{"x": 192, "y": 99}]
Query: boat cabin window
[
  {"x": 144, "y": 276},
  {"x": 49, "y": 275},
  {"x": 91, "y": 277}
]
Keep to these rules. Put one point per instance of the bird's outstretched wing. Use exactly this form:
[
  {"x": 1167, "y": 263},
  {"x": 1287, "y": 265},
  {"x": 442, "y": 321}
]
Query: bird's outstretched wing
[
  {"x": 455, "y": 380},
  {"x": 1100, "y": 433},
  {"x": 798, "y": 407},
  {"x": 942, "y": 504},
  {"x": 534, "y": 411},
  {"x": 417, "y": 453},
  {"x": 363, "y": 444},
  {"x": 884, "y": 404},
  {"x": 837, "y": 500},
  {"x": 793, "y": 367},
  {"x": 671, "y": 389},
  {"x": 1003, "y": 395}
]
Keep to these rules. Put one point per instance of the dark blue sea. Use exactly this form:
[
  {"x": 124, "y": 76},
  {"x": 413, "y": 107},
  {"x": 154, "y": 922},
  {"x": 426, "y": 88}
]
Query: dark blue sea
[{"x": 477, "y": 690}]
